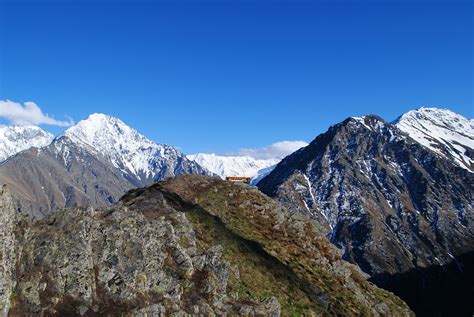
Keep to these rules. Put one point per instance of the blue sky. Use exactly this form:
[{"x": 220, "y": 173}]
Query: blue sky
[{"x": 217, "y": 76}]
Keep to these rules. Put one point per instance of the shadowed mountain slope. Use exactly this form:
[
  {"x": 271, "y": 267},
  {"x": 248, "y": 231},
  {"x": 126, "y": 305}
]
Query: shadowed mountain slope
[{"x": 391, "y": 204}]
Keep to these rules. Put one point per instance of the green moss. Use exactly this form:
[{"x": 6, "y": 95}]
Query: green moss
[
  {"x": 140, "y": 279},
  {"x": 185, "y": 242},
  {"x": 159, "y": 290},
  {"x": 13, "y": 297}
]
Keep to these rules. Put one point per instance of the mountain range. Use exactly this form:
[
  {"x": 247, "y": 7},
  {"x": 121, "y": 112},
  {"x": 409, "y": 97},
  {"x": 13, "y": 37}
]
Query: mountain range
[
  {"x": 140, "y": 159},
  {"x": 244, "y": 166},
  {"x": 93, "y": 163},
  {"x": 394, "y": 198}
]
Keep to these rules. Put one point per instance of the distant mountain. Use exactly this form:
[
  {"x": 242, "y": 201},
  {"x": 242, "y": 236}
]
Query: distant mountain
[
  {"x": 140, "y": 160},
  {"x": 224, "y": 166},
  {"x": 397, "y": 208},
  {"x": 92, "y": 164},
  {"x": 61, "y": 175},
  {"x": 14, "y": 139},
  {"x": 442, "y": 131},
  {"x": 261, "y": 174}
]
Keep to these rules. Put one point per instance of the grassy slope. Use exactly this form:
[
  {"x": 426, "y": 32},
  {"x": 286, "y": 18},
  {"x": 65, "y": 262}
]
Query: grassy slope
[{"x": 274, "y": 258}]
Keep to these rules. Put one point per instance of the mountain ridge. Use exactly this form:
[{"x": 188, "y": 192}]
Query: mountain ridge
[
  {"x": 126, "y": 148},
  {"x": 395, "y": 200},
  {"x": 390, "y": 203},
  {"x": 184, "y": 245},
  {"x": 93, "y": 163},
  {"x": 443, "y": 131},
  {"x": 16, "y": 138},
  {"x": 223, "y": 166}
]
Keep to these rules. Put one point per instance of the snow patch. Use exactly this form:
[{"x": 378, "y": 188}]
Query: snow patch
[{"x": 442, "y": 131}]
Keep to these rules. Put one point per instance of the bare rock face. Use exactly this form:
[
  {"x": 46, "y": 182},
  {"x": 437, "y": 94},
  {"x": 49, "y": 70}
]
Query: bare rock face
[
  {"x": 191, "y": 245},
  {"x": 7, "y": 250},
  {"x": 391, "y": 204}
]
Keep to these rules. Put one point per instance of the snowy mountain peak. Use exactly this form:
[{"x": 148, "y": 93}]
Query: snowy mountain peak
[
  {"x": 442, "y": 118},
  {"x": 14, "y": 139},
  {"x": 125, "y": 147},
  {"x": 442, "y": 131},
  {"x": 104, "y": 132}
]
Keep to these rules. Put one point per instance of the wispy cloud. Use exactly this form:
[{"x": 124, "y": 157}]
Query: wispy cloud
[
  {"x": 28, "y": 114},
  {"x": 275, "y": 150}
]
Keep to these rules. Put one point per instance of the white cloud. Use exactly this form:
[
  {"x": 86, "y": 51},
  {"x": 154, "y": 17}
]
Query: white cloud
[
  {"x": 28, "y": 114},
  {"x": 275, "y": 150}
]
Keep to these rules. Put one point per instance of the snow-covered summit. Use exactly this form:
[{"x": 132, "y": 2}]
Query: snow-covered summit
[
  {"x": 106, "y": 134},
  {"x": 126, "y": 148},
  {"x": 14, "y": 139},
  {"x": 442, "y": 131},
  {"x": 224, "y": 166}
]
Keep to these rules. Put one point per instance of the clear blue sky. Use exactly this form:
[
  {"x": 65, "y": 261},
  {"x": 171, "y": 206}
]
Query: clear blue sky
[{"x": 222, "y": 75}]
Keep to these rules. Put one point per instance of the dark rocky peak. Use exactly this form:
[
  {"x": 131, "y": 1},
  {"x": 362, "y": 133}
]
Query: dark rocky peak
[
  {"x": 392, "y": 204},
  {"x": 363, "y": 135}
]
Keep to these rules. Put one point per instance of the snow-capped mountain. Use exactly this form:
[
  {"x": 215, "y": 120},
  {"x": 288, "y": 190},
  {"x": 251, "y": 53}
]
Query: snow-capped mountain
[
  {"x": 91, "y": 164},
  {"x": 224, "y": 166},
  {"x": 129, "y": 151},
  {"x": 366, "y": 170},
  {"x": 14, "y": 139},
  {"x": 394, "y": 206},
  {"x": 442, "y": 131}
]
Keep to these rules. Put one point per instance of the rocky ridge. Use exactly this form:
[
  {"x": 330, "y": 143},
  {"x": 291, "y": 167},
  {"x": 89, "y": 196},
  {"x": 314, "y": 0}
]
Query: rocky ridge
[
  {"x": 8, "y": 248},
  {"x": 189, "y": 245}
]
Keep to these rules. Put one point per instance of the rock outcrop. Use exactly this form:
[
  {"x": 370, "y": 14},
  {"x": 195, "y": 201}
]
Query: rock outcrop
[
  {"x": 8, "y": 218},
  {"x": 191, "y": 245}
]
